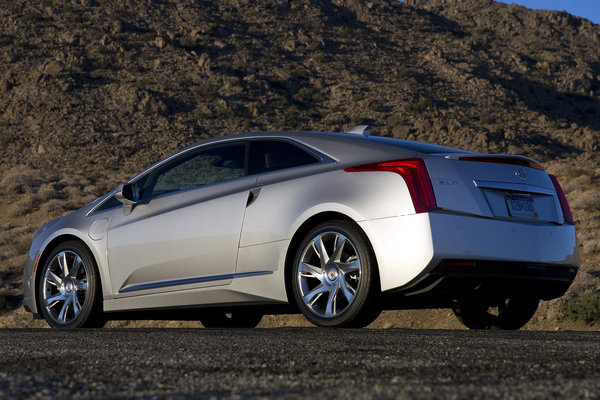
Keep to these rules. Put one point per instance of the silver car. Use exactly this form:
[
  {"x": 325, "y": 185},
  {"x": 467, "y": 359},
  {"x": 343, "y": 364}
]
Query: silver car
[{"x": 337, "y": 226}]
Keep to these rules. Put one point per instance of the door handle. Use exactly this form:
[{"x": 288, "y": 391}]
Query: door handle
[{"x": 252, "y": 196}]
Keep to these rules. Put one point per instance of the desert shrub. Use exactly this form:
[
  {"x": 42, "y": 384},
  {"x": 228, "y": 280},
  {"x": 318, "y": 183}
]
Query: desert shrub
[
  {"x": 74, "y": 192},
  {"x": 54, "y": 207},
  {"x": 47, "y": 191},
  {"x": 14, "y": 242},
  {"x": 375, "y": 106},
  {"x": 101, "y": 64},
  {"x": 585, "y": 307},
  {"x": 27, "y": 203},
  {"x": 573, "y": 184},
  {"x": 588, "y": 200},
  {"x": 590, "y": 245},
  {"x": 22, "y": 243},
  {"x": 419, "y": 106},
  {"x": 20, "y": 180},
  {"x": 576, "y": 172},
  {"x": 6, "y": 233},
  {"x": 92, "y": 190}
]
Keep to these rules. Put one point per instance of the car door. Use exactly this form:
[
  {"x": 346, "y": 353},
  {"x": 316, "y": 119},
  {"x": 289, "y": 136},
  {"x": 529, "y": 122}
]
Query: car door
[
  {"x": 186, "y": 226},
  {"x": 280, "y": 198}
]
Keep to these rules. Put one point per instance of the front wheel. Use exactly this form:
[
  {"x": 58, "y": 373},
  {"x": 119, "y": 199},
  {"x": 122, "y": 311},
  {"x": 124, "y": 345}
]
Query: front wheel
[
  {"x": 69, "y": 288},
  {"x": 511, "y": 312},
  {"x": 334, "y": 277}
]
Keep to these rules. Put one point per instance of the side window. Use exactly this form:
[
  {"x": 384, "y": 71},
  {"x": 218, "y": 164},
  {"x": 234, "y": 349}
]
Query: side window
[
  {"x": 202, "y": 167},
  {"x": 271, "y": 155}
]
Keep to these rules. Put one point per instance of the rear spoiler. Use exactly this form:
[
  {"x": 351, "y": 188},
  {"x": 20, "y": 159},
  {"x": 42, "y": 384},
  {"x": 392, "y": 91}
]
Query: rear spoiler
[{"x": 499, "y": 158}]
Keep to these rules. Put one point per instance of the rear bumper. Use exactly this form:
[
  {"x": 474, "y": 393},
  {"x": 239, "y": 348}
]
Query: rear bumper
[
  {"x": 543, "y": 254},
  {"x": 453, "y": 279}
]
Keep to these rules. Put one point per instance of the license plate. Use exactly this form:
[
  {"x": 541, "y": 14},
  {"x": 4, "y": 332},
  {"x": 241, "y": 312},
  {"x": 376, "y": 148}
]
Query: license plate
[{"x": 521, "y": 206}]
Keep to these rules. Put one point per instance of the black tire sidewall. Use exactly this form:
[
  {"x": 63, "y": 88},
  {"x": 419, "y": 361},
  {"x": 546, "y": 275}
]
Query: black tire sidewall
[
  {"x": 93, "y": 300},
  {"x": 363, "y": 309},
  {"x": 473, "y": 313}
]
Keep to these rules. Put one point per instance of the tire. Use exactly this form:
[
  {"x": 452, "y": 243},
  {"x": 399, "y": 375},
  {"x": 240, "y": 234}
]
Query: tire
[
  {"x": 335, "y": 281},
  {"x": 510, "y": 313},
  {"x": 70, "y": 297},
  {"x": 236, "y": 319}
]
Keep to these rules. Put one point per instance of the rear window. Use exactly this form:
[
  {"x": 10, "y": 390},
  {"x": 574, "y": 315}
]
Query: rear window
[{"x": 272, "y": 155}]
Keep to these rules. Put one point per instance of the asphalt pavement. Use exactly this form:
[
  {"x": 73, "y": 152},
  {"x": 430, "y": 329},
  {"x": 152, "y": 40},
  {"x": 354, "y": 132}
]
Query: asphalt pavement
[{"x": 298, "y": 363}]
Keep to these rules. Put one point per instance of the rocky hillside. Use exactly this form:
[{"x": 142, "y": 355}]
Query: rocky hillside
[{"x": 91, "y": 92}]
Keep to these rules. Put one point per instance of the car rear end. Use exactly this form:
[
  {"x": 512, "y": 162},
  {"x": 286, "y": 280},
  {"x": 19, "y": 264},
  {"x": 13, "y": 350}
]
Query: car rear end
[{"x": 500, "y": 222}]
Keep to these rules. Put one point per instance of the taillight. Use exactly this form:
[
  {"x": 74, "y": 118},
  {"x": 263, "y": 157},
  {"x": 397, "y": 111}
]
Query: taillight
[
  {"x": 414, "y": 172},
  {"x": 505, "y": 160},
  {"x": 564, "y": 204}
]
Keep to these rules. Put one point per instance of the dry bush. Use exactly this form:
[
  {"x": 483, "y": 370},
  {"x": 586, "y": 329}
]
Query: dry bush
[
  {"x": 22, "y": 243},
  {"x": 14, "y": 245},
  {"x": 104, "y": 186},
  {"x": 55, "y": 207},
  {"x": 590, "y": 245},
  {"x": 586, "y": 307},
  {"x": 588, "y": 200},
  {"x": 20, "y": 180},
  {"x": 74, "y": 181},
  {"x": 48, "y": 191},
  {"x": 74, "y": 192},
  {"x": 5, "y": 233},
  {"x": 573, "y": 184},
  {"x": 91, "y": 190},
  {"x": 25, "y": 204}
]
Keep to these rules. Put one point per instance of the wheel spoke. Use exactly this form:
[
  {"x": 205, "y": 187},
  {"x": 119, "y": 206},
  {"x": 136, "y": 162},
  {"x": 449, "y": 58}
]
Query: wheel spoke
[
  {"x": 63, "y": 312},
  {"x": 52, "y": 301},
  {"x": 75, "y": 301},
  {"x": 331, "y": 308},
  {"x": 311, "y": 297},
  {"x": 349, "y": 292},
  {"x": 340, "y": 240},
  {"x": 62, "y": 262},
  {"x": 321, "y": 251},
  {"x": 53, "y": 279},
  {"x": 350, "y": 266},
  {"x": 310, "y": 271},
  {"x": 81, "y": 285}
]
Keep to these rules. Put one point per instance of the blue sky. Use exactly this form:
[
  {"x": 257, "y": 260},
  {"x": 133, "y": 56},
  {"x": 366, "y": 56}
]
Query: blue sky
[{"x": 589, "y": 9}]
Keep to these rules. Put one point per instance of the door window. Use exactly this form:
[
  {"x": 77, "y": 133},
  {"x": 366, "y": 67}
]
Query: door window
[{"x": 198, "y": 168}]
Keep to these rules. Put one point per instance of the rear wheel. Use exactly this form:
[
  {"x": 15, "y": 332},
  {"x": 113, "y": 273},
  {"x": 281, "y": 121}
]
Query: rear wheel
[
  {"x": 511, "y": 312},
  {"x": 235, "y": 319},
  {"x": 334, "y": 277},
  {"x": 69, "y": 288}
]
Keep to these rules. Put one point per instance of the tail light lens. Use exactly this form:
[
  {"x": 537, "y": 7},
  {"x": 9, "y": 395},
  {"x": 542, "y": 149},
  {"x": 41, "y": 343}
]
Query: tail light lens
[
  {"x": 414, "y": 172},
  {"x": 564, "y": 204}
]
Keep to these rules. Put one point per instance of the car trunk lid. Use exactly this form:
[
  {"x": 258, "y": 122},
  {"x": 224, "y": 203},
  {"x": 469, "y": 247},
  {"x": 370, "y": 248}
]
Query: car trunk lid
[{"x": 495, "y": 186}]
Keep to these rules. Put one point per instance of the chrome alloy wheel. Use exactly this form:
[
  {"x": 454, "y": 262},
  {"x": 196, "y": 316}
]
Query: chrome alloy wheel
[
  {"x": 64, "y": 287},
  {"x": 329, "y": 274}
]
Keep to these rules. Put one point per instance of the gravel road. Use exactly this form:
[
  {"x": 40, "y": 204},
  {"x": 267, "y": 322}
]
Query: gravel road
[{"x": 297, "y": 363}]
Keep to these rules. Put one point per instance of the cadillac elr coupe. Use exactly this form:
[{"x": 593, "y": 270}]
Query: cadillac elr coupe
[{"x": 337, "y": 226}]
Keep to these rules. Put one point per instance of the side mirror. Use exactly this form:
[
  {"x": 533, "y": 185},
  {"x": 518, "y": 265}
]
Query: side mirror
[{"x": 125, "y": 193}]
